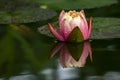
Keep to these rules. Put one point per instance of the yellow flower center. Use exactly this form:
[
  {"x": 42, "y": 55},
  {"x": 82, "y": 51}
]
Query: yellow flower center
[{"x": 73, "y": 14}]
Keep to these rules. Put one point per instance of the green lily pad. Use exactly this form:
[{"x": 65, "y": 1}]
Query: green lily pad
[
  {"x": 102, "y": 28},
  {"x": 76, "y": 4},
  {"x": 22, "y": 11},
  {"x": 11, "y": 5},
  {"x": 5, "y": 17},
  {"x": 26, "y": 15},
  {"x": 32, "y": 15}
]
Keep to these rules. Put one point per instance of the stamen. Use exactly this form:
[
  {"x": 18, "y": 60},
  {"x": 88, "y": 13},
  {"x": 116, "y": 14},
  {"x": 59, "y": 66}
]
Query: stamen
[{"x": 73, "y": 14}]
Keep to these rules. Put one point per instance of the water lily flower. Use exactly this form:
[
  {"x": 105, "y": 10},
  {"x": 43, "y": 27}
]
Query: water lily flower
[
  {"x": 66, "y": 57},
  {"x": 72, "y": 26}
]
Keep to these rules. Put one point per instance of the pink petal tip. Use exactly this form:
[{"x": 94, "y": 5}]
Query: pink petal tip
[{"x": 55, "y": 33}]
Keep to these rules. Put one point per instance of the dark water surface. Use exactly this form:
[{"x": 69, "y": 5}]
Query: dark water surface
[{"x": 32, "y": 56}]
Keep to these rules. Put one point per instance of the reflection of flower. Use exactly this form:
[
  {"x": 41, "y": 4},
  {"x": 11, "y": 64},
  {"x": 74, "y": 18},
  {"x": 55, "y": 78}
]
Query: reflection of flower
[
  {"x": 68, "y": 21},
  {"x": 66, "y": 58}
]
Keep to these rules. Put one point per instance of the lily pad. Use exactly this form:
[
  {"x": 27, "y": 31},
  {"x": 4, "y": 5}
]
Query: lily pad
[
  {"x": 102, "y": 28},
  {"x": 11, "y": 5},
  {"x": 5, "y": 17},
  {"x": 105, "y": 28},
  {"x": 76, "y": 4},
  {"x": 32, "y": 15},
  {"x": 26, "y": 15}
]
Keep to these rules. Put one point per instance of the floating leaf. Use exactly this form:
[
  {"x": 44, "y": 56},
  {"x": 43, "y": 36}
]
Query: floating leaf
[
  {"x": 26, "y": 15},
  {"x": 76, "y": 4},
  {"x": 5, "y": 17},
  {"x": 102, "y": 28},
  {"x": 105, "y": 28},
  {"x": 32, "y": 15}
]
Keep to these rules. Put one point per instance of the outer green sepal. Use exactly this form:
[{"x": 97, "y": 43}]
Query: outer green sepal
[{"x": 76, "y": 36}]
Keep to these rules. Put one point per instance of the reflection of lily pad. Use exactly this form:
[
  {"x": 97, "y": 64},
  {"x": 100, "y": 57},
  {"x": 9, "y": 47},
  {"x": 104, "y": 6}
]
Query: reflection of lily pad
[
  {"x": 77, "y": 4},
  {"x": 26, "y": 15},
  {"x": 103, "y": 28}
]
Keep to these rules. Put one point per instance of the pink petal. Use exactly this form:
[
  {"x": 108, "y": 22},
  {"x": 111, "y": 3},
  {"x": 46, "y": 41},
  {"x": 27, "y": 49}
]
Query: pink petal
[
  {"x": 61, "y": 20},
  {"x": 84, "y": 29},
  {"x": 75, "y": 22},
  {"x": 89, "y": 26},
  {"x": 84, "y": 25},
  {"x": 82, "y": 14},
  {"x": 65, "y": 29},
  {"x": 61, "y": 17},
  {"x": 55, "y": 33},
  {"x": 64, "y": 24}
]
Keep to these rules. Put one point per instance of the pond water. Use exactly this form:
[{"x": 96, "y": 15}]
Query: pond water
[
  {"x": 27, "y": 54},
  {"x": 37, "y": 57}
]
